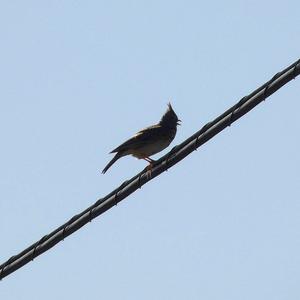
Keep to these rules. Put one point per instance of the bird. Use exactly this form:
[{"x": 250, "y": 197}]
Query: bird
[{"x": 149, "y": 140}]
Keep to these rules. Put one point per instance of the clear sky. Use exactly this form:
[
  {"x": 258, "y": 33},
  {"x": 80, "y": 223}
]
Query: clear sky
[{"x": 80, "y": 77}]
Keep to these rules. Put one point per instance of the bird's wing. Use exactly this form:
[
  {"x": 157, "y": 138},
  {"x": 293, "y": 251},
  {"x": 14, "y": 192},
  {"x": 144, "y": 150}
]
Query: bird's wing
[{"x": 140, "y": 138}]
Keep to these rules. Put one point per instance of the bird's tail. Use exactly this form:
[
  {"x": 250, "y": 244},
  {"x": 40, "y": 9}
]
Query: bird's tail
[{"x": 115, "y": 158}]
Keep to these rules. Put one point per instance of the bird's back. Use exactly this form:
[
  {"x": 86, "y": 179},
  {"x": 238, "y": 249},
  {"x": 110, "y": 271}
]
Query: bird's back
[{"x": 148, "y": 141}]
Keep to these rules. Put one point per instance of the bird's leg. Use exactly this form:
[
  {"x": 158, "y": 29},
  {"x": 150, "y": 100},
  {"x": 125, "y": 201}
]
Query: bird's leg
[
  {"x": 149, "y": 160},
  {"x": 150, "y": 166}
]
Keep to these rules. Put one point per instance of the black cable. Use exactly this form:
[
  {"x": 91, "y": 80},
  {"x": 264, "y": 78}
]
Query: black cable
[{"x": 167, "y": 161}]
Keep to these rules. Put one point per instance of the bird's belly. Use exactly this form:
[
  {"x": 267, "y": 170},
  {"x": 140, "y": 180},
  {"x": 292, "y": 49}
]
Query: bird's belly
[{"x": 150, "y": 149}]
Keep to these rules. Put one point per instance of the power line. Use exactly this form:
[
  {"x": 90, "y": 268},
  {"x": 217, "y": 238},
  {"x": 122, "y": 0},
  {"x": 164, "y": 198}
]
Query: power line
[{"x": 178, "y": 153}]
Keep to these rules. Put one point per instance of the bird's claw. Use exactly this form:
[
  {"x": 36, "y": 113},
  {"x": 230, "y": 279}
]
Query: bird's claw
[{"x": 149, "y": 169}]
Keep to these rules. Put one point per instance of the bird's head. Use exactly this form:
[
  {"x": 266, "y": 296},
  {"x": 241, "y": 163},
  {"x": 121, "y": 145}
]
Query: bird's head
[{"x": 170, "y": 119}]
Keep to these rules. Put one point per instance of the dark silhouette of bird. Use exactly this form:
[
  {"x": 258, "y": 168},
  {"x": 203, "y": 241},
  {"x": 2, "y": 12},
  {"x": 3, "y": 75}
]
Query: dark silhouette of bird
[{"x": 150, "y": 140}]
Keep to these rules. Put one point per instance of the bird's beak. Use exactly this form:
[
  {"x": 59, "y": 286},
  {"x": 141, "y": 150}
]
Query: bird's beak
[{"x": 179, "y": 122}]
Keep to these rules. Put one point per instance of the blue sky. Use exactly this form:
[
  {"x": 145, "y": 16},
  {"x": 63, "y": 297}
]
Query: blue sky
[{"x": 80, "y": 77}]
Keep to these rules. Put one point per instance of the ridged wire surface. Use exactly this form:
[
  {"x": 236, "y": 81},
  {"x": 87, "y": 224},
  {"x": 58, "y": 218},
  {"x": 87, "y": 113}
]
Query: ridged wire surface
[{"x": 167, "y": 161}]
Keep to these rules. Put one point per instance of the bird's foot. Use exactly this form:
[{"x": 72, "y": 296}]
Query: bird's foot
[{"x": 149, "y": 171}]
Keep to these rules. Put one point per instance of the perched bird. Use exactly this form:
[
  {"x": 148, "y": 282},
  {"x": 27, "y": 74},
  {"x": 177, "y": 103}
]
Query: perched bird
[{"x": 150, "y": 140}]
